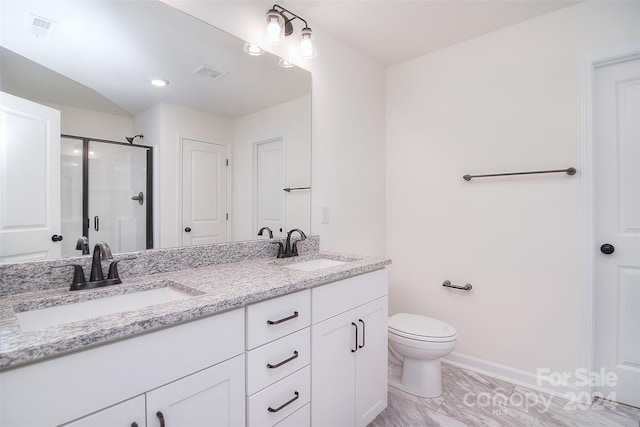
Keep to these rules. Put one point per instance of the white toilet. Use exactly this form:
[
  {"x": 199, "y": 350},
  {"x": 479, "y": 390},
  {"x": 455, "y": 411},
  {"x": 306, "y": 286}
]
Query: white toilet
[{"x": 416, "y": 344}]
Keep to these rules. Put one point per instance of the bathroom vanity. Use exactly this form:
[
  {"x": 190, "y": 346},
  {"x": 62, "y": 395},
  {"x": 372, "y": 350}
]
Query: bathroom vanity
[{"x": 249, "y": 345}]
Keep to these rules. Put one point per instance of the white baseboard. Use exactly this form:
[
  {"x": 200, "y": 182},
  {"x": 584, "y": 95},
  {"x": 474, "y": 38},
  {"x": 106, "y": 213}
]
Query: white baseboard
[{"x": 515, "y": 376}]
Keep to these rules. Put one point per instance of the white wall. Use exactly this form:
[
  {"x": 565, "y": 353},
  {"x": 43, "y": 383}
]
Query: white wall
[
  {"x": 348, "y": 135},
  {"x": 292, "y": 122},
  {"x": 93, "y": 124},
  {"x": 507, "y": 101},
  {"x": 164, "y": 126}
]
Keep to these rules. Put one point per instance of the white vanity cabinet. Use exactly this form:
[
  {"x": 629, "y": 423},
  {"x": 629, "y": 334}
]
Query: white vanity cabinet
[
  {"x": 278, "y": 357},
  {"x": 349, "y": 350},
  {"x": 192, "y": 371}
]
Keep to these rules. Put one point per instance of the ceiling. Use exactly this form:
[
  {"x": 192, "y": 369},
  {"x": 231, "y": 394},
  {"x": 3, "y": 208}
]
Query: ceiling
[
  {"x": 393, "y": 31},
  {"x": 98, "y": 42}
]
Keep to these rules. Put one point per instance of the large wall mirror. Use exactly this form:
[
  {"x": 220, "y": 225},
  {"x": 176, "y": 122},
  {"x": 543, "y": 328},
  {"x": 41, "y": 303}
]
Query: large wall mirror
[{"x": 229, "y": 133}]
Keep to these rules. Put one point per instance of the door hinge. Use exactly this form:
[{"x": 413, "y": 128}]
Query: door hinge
[
  {"x": 227, "y": 162},
  {"x": 227, "y": 216}
]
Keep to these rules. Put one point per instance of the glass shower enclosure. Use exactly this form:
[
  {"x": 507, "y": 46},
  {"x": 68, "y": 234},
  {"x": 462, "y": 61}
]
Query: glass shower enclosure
[{"x": 105, "y": 191}]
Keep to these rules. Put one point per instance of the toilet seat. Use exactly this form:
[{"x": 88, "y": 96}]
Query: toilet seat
[{"x": 421, "y": 328}]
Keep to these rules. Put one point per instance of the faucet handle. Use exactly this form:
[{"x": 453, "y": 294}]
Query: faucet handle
[
  {"x": 113, "y": 268},
  {"x": 280, "y": 248},
  {"x": 78, "y": 275}
]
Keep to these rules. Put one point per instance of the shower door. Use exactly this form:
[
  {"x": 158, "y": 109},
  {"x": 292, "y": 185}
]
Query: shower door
[
  {"x": 105, "y": 189},
  {"x": 117, "y": 193}
]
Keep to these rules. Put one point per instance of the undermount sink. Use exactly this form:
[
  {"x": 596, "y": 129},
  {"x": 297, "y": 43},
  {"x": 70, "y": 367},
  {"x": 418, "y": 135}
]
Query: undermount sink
[
  {"x": 314, "y": 264},
  {"x": 68, "y": 312}
]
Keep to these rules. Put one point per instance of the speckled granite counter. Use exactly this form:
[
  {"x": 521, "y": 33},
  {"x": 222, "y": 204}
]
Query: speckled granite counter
[{"x": 215, "y": 289}]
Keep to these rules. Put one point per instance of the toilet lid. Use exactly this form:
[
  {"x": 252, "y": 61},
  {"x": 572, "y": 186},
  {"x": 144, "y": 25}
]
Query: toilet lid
[{"x": 419, "y": 327}]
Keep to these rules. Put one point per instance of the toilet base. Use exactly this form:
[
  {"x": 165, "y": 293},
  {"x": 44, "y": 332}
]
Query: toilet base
[{"x": 421, "y": 378}]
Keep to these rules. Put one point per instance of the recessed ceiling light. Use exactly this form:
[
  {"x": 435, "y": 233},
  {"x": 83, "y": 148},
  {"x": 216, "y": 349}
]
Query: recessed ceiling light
[
  {"x": 252, "y": 49},
  {"x": 159, "y": 82},
  {"x": 285, "y": 64}
]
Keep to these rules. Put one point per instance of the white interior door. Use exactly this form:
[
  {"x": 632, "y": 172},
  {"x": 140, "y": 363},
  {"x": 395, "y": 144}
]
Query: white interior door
[
  {"x": 617, "y": 124},
  {"x": 204, "y": 193},
  {"x": 29, "y": 180},
  {"x": 270, "y": 179}
]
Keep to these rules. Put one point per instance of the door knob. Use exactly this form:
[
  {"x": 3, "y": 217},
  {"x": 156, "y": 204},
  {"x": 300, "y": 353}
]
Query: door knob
[
  {"x": 187, "y": 229},
  {"x": 56, "y": 238},
  {"x": 607, "y": 249}
]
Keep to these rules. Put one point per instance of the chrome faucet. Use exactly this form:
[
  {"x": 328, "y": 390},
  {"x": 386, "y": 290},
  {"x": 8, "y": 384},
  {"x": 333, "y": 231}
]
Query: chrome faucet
[
  {"x": 289, "y": 250},
  {"x": 100, "y": 251}
]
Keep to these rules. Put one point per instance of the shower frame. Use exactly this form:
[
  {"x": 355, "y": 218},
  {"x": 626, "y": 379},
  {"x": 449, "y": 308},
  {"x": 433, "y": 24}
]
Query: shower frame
[{"x": 85, "y": 183}]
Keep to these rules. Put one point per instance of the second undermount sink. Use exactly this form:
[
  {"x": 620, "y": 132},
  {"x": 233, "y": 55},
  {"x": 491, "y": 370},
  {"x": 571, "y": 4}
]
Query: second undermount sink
[
  {"x": 314, "y": 264},
  {"x": 68, "y": 312}
]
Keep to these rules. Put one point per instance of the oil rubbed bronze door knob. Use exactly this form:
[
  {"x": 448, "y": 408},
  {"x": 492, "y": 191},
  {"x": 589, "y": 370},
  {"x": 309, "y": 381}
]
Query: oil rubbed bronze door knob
[
  {"x": 607, "y": 249},
  {"x": 187, "y": 229}
]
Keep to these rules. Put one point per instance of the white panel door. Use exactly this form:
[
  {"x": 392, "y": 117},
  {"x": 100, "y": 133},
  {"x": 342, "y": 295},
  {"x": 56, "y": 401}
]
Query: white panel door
[
  {"x": 212, "y": 397},
  {"x": 618, "y": 225},
  {"x": 270, "y": 179},
  {"x": 29, "y": 179},
  {"x": 204, "y": 193}
]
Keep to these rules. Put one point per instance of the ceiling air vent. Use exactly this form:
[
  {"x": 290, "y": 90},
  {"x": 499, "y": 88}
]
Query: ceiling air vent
[
  {"x": 41, "y": 27},
  {"x": 209, "y": 72}
]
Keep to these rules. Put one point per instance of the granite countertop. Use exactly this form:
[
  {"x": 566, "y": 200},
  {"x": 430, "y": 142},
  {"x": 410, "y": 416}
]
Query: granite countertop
[{"x": 213, "y": 289}]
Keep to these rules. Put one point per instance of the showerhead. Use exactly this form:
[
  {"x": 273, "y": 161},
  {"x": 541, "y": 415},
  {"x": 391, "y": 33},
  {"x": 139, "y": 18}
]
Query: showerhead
[{"x": 131, "y": 138}]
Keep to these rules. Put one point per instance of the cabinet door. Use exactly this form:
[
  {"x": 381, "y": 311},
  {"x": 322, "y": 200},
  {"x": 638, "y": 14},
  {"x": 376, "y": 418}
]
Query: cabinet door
[
  {"x": 333, "y": 373},
  {"x": 129, "y": 413},
  {"x": 214, "y": 396},
  {"x": 371, "y": 361}
]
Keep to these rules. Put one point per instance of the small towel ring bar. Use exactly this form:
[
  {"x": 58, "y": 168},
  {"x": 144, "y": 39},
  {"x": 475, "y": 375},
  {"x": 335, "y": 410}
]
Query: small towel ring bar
[
  {"x": 289, "y": 189},
  {"x": 466, "y": 287},
  {"x": 568, "y": 171}
]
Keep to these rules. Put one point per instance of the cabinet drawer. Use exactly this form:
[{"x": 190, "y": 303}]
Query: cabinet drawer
[
  {"x": 337, "y": 297},
  {"x": 300, "y": 418},
  {"x": 273, "y": 404},
  {"x": 290, "y": 353},
  {"x": 272, "y": 319}
]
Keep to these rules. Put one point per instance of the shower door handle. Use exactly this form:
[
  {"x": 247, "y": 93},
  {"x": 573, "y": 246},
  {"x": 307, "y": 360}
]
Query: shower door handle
[{"x": 96, "y": 223}]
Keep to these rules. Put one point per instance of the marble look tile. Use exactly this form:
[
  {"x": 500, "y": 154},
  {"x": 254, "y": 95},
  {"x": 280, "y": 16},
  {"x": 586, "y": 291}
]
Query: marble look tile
[
  {"x": 483, "y": 407},
  {"x": 472, "y": 381},
  {"x": 616, "y": 408},
  {"x": 561, "y": 412},
  {"x": 406, "y": 413},
  {"x": 430, "y": 403}
]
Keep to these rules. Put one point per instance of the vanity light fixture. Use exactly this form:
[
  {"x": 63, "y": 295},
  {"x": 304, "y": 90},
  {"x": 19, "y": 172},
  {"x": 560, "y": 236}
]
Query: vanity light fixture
[
  {"x": 279, "y": 26},
  {"x": 252, "y": 49},
  {"x": 159, "y": 82}
]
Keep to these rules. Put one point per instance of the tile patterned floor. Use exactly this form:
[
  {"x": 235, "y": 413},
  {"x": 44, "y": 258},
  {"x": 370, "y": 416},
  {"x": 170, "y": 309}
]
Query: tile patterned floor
[{"x": 470, "y": 399}]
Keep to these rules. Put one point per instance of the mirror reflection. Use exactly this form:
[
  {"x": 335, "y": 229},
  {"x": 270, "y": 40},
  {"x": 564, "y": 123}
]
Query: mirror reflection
[{"x": 228, "y": 131}]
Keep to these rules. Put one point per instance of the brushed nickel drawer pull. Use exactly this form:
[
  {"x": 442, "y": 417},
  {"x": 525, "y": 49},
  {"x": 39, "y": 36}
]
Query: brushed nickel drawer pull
[
  {"x": 270, "y": 409},
  {"x": 295, "y": 356},
  {"x": 275, "y": 322}
]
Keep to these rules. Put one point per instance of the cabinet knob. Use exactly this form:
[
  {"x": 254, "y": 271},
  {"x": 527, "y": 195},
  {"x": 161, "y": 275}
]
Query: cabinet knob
[{"x": 187, "y": 229}]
